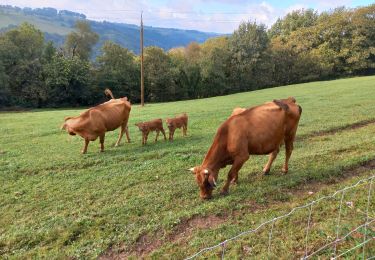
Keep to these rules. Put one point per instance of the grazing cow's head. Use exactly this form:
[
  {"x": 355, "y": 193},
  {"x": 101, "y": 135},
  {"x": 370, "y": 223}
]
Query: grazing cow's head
[
  {"x": 205, "y": 180},
  {"x": 66, "y": 127},
  {"x": 169, "y": 123}
]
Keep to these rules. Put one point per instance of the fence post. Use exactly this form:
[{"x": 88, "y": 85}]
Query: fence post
[
  {"x": 270, "y": 237},
  {"x": 338, "y": 224},
  {"x": 368, "y": 205},
  {"x": 307, "y": 230}
]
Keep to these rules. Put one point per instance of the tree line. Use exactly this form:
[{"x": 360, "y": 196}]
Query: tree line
[{"x": 300, "y": 47}]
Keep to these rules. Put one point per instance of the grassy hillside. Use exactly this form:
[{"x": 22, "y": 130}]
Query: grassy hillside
[
  {"x": 56, "y": 26},
  {"x": 141, "y": 201}
]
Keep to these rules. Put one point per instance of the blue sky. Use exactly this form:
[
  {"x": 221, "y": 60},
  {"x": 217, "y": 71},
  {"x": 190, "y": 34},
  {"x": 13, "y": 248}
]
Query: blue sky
[{"x": 221, "y": 16}]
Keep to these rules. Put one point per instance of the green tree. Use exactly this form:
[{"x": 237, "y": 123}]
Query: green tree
[
  {"x": 80, "y": 42},
  {"x": 67, "y": 80},
  {"x": 4, "y": 87},
  {"x": 118, "y": 70},
  {"x": 20, "y": 54},
  {"x": 179, "y": 62},
  {"x": 248, "y": 46},
  {"x": 293, "y": 21},
  {"x": 159, "y": 83},
  {"x": 215, "y": 67}
]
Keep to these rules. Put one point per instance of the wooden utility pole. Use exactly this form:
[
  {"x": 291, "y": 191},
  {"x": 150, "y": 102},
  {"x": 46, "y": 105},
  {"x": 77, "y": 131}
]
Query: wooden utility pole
[{"x": 142, "y": 76}]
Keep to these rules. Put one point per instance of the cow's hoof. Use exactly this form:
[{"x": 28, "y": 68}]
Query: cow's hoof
[
  {"x": 102, "y": 151},
  {"x": 234, "y": 182},
  {"x": 285, "y": 171},
  {"x": 266, "y": 172},
  {"x": 83, "y": 152},
  {"x": 224, "y": 192}
]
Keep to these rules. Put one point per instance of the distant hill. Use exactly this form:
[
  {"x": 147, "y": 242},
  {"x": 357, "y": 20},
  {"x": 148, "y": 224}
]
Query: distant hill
[{"x": 57, "y": 24}]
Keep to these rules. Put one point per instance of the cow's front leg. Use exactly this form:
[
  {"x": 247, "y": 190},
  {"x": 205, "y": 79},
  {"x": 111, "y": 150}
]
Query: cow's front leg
[
  {"x": 233, "y": 172},
  {"x": 101, "y": 139},
  {"x": 84, "y": 150},
  {"x": 157, "y": 134},
  {"x": 267, "y": 167},
  {"x": 163, "y": 132},
  {"x": 171, "y": 132}
]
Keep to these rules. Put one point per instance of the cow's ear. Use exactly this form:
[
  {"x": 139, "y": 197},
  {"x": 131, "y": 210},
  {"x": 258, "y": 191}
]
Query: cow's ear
[{"x": 192, "y": 170}]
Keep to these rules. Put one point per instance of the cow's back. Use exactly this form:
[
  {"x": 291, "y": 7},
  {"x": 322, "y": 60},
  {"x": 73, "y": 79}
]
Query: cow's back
[
  {"x": 111, "y": 114},
  {"x": 261, "y": 129}
]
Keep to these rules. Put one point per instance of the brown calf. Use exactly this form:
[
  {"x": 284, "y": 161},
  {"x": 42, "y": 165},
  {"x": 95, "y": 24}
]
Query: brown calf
[
  {"x": 147, "y": 127},
  {"x": 257, "y": 130},
  {"x": 96, "y": 121},
  {"x": 180, "y": 121}
]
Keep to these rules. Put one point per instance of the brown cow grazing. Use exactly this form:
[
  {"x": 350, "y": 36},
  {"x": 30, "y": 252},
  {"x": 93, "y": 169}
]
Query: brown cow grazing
[
  {"x": 180, "y": 121},
  {"x": 147, "y": 127},
  {"x": 96, "y": 121},
  {"x": 257, "y": 130}
]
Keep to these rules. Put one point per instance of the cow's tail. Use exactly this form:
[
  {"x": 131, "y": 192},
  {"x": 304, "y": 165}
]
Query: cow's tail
[{"x": 108, "y": 92}]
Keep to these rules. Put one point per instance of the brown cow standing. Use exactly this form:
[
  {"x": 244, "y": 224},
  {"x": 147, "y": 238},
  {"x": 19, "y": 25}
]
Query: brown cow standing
[
  {"x": 96, "y": 121},
  {"x": 147, "y": 127},
  {"x": 180, "y": 121},
  {"x": 258, "y": 130}
]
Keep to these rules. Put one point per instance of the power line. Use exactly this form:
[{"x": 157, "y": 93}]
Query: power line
[
  {"x": 166, "y": 12},
  {"x": 169, "y": 19}
]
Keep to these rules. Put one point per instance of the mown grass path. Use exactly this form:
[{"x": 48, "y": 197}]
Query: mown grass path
[{"x": 55, "y": 202}]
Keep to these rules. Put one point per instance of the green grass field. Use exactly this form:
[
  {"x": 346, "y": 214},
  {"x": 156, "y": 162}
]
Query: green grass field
[{"x": 141, "y": 201}]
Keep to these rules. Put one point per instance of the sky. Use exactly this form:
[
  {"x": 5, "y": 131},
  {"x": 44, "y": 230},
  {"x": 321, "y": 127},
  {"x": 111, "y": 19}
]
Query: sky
[{"x": 221, "y": 16}]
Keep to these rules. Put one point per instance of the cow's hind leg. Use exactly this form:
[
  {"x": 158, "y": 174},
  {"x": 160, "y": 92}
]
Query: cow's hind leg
[
  {"x": 157, "y": 134},
  {"x": 127, "y": 133},
  {"x": 122, "y": 131},
  {"x": 288, "y": 153},
  {"x": 84, "y": 150},
  {"x": 267, "y": 167},
  {"x": 233, "y": 172},
  {"x": 101, "y": 139}
]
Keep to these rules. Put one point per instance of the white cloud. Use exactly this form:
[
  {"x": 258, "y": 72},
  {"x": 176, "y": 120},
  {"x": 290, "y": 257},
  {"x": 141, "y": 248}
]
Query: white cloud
[{"x": 184, "y": 14}]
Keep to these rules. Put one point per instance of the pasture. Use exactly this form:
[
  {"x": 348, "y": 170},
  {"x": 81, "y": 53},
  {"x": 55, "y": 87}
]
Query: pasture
[{"x": 136, "y": 200}]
